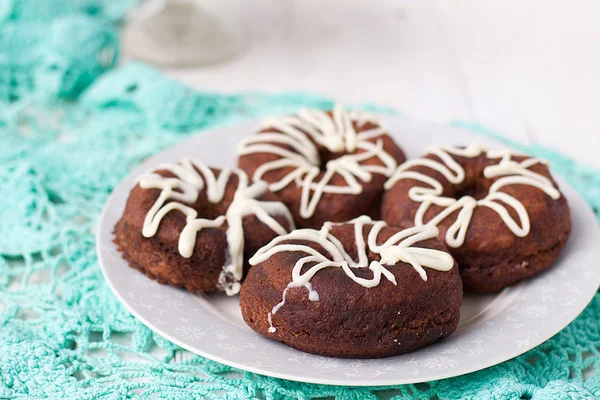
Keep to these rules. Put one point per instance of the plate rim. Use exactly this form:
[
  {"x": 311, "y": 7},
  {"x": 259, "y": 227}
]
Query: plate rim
[{"x": 248, "y": 126}]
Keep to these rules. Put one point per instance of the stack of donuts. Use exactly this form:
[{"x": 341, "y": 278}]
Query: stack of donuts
[{"x": 336, "y": 244}]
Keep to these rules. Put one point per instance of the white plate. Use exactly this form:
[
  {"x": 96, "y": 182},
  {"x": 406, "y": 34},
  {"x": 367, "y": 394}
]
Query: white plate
[{"x": 492, "y": 329}]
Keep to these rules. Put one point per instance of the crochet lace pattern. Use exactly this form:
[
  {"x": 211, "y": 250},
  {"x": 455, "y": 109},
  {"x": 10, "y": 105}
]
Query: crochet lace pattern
[{"x": 71, "y": 127}]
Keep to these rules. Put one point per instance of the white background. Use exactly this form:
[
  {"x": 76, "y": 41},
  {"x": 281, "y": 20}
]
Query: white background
[{"x": 528, "y": 69}]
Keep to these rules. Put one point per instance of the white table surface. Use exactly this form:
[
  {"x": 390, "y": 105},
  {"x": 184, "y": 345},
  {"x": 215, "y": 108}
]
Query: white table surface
[{"x": 529, "y": 70}]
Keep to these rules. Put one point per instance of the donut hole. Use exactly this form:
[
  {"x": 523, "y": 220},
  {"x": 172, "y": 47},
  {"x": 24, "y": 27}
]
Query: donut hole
[
  {"x": 209, "y": 211},
  {"x": 326, "y": 155},
  {"x": 476, "y": 188},
  {"x": 205, "y": 208},
  {"x": 474, "y": 191}
]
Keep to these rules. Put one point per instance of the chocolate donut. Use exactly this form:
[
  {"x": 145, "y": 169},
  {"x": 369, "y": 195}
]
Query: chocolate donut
[
  {"x": 353, "y": 290},
  {"x": 325, "y": 166},
  {"x": 499, "y": 212},
  {"x": 195, "y": 227}
]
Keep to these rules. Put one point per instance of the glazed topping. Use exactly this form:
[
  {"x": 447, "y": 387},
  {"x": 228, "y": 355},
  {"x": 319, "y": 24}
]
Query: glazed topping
[
  {"x": 191, "y": 177},
  {"x": 510, "y": 172},
  {"x": 296, "y": 151},
  {"x": 400, "y": 247}
]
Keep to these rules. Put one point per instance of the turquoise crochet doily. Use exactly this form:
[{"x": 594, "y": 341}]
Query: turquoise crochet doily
[{"x": 71, "y": 127}]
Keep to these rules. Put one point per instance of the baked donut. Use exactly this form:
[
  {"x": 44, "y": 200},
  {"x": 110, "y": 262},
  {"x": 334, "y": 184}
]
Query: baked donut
[
  {"x": 499, "y": 212},
  {"x": 353, "y": 290},
  {"x": 325, "y": 166},
  {"x": 192, "y": 226}
]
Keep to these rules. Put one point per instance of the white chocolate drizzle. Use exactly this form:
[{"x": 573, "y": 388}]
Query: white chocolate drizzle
[
  {"x": 399, "y": 247},
  {"x": 191, "y": 177},
  {"x": 510, "y": 172},
  {"x": 337, "y": 134}
]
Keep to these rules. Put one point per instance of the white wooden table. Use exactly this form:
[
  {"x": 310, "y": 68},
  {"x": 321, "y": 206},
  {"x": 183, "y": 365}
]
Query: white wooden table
[{"x": 528, "y": 69}]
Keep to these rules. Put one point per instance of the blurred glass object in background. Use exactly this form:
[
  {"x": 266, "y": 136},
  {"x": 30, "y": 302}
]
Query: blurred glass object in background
[{"x": 181, "y": 33}]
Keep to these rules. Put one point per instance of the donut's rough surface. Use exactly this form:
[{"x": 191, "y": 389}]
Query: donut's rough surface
[
  {"x": 350, "y": 320},
  {"x": 335, "y": 207},
  {"x": 492, "y": 256},
  {"x": 158, "y": 256}
]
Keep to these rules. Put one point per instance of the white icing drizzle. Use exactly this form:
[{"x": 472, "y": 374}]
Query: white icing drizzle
[
  {"x": 510, "y": 172},
  {"x": 399, "y": 247},
  {"x": 191, "y": 176},
  {"x": 337, "y": 134}
]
